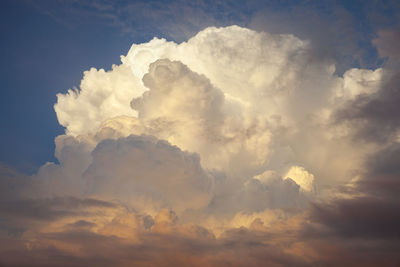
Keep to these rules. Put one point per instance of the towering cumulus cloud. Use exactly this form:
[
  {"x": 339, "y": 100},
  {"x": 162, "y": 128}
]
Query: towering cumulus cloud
[{"x": 236, "y": 148}]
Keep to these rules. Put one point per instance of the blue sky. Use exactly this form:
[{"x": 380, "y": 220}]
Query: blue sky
[
  {"x": 46, "y": 46},
  {"x": 42, "y": 57}
]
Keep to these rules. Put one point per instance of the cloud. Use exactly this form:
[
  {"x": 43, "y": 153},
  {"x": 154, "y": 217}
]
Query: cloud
[
  {"x": 374, "y": 115},
  {"x": 113, "y": 235},
  {"x": 235, "y": 147},
  {"x": 181, "y": 19},
  {"x": 381, "y": 177},
  {"x": 386, "y": 45},
  {"x": 367, "y": 211},
  {"x": 364, "y": 217},
  {"x": 234, "y": 59},
  {"x": 302, "y": 177},
  {"x": 144, "y": 171},
  {"x": 103, "y": 95},
  {"x": 259, "y": 84}
]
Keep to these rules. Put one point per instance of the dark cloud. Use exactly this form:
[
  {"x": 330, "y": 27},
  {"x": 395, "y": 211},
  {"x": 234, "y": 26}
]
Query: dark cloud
[
  {"x": 387, "y": 44},
  {"x": 355, "y": 252},
  {"x": 48, "y": 208},
  {"x": 26, "y": 238},
  {"x": 338, "y": 37},
  {"x": 12, "y": 182},
  {"x": 375, "y": 117},
  {"x": 19, "y": 215},
  {"x": 237, "y": 248},
  {"x": 363, "y": 227},
  {"x": 382, "y": 175},
  {"x": 363, "y": 217},
  {"x": 19, "y": 211}
]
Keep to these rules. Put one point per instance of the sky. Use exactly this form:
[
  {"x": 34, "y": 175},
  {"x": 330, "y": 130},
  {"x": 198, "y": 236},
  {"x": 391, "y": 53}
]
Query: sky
[{"x": 199, "y": 133}]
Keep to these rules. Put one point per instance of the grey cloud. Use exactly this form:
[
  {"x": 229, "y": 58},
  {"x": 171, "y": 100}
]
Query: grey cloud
[
  {"x": 237, "y": 248},
  {"x": 364, "y": 217},
  {"x": 382, "y": 175},
  {"x": 138, "y": 167},
  {"x": 387, "y": 44},
  {"x": 18, "y": 215},
  {"x": 334, "y": 38},
  {"x": 362, "y": 227},
  {"x": 12, "y": 183},
  {"x": 374, "y": 117},
  {"x": 48, "y": 208},
  {"x": 255, "y": 196}
]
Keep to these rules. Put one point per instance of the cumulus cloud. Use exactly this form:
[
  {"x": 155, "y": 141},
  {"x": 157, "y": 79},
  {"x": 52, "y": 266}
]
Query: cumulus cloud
[
  {"x": 302, "y": 177},
  {"x": 235, "y": 147},
  {"x": 374, "y": 116},
  {"x": 145, "y": 171},
  {"x": 257, "y": 86},
  {"x": 102, "y": 95}
]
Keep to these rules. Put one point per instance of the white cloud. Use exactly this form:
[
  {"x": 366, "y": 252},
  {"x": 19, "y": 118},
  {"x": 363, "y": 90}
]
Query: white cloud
[
  {"x": 247, "y": 103},
  {"x": 102, "y": 95},
  {"x": 302, "y": 177},
  {"x": 359, "y": 81}
]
